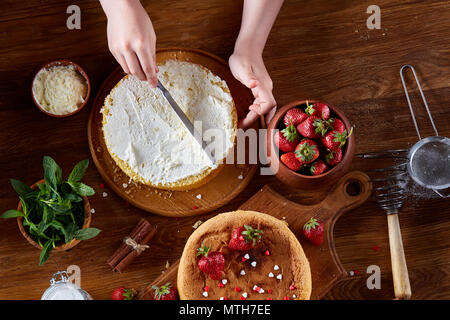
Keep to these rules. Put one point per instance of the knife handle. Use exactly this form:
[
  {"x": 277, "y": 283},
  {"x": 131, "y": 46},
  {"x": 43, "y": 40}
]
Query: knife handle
[{"x": 402, "y": 287}]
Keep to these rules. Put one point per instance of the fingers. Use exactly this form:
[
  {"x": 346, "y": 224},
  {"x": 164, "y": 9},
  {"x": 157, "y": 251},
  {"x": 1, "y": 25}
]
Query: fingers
[
  {"x": 148, "y": 64},
  {"x": 133, "y": 65},
  {"x": 248, "y": 120},
  {"x": 264, "y": 104}
]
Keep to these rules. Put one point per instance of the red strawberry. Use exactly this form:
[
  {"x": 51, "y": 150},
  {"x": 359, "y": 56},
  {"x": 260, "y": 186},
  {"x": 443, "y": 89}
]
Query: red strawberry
[
  {"x": 294, "y": 116},
  {"x": 244, "y": 238},
  {"x": 336, "y": 124},
  {"x": 313, "y": 231},
  {"x": 335, "y": 140},
  {"x": 122, "y": 293},
  {"x": 211, "y": 263},
  {"x": 287, "y": 139},
  {"x": 165, "y": 292},
  {"x": 307, "y": 151},
  {"x": 290, "y": 160},
  {"x": 333, "y": 157},
  {"x": 318, "y": 167},
  {"x": 308, "y": 128},
  {"x": 318, "y": 109}
]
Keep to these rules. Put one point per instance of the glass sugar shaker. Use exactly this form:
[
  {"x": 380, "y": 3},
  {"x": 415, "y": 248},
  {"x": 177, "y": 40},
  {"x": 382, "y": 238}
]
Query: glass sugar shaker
[{"x": 62, "y": 289}]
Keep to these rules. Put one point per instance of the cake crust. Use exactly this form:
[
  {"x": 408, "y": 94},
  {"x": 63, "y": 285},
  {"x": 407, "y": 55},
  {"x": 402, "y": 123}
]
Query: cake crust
[{"x": 284, "y": 251}]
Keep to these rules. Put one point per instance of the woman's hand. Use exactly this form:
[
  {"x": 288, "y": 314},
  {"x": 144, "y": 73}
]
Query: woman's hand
[
  {"x": 250, "y": 70},
  {"x": 131, "y": 38},
  {"x": 246, "y": 62}
]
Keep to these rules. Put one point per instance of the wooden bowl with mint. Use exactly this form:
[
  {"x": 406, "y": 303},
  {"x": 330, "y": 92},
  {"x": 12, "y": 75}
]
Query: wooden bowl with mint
[{"x": 54, "y": 214}]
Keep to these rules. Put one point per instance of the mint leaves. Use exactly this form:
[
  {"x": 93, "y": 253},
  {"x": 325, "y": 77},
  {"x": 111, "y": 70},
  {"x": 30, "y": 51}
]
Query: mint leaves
[{"x": 53, "y": 213}]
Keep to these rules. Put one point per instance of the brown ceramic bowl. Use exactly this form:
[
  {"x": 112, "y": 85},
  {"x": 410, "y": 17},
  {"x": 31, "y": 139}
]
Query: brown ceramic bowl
[
  {"x": 295, "y": 179},
  {"x": 79, "y": 70},
  {"x": 63, "y": 247}
]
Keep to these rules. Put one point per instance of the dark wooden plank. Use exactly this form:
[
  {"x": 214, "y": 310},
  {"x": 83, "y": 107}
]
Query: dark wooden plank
[{"x": 318, "y": 49}]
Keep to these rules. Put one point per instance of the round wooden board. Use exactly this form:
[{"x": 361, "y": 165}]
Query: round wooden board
[{"x": 214, "y": 194}]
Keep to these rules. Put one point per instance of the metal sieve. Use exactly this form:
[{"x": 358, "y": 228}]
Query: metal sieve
[{"x": 429, "y": 159}]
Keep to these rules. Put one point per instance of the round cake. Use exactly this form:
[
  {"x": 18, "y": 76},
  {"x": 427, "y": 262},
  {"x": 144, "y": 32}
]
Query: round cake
[
  {"x": 249, "y": 256},
  {"x": 149, "y": 142}
]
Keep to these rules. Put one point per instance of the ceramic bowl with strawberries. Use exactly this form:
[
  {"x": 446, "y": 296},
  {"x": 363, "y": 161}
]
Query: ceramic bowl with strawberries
[{"x": 310, "y": 144}]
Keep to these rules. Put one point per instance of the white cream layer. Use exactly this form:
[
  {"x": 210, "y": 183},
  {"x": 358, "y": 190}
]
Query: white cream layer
[{"x": 142, "y": 129}]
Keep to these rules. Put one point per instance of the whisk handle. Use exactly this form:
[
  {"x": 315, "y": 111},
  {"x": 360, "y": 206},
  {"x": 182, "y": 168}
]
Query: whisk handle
[{"x": 402, "y": 287}]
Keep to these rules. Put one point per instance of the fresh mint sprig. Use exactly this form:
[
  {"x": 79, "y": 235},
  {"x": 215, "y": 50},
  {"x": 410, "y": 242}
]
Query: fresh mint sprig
[{"x": 53, "y": 213}]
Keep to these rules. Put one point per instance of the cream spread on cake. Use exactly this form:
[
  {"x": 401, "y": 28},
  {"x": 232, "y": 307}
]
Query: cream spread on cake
[
  {"x": 60, "y": 89},
  {"x": 148, "y": 140}
]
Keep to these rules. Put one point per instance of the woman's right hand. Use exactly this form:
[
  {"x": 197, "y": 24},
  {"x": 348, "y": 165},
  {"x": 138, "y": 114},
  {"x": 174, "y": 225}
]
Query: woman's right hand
[{"x": 131, "y": 38}]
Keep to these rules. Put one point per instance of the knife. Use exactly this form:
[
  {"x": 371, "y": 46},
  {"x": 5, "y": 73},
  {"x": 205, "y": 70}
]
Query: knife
[{"x": 187, "y": 123}]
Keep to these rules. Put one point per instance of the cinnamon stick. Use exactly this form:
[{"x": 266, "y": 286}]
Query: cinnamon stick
[{"x": 125, "y": 254}]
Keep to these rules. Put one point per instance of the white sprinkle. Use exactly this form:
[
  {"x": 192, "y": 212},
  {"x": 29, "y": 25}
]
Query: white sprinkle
[
  {"x": 240, "y": 177},
  {"x": 224, "y": 281},
  {"x": 221, "y": 298},
  {"x": 351, "y": 273},
  {"x": 254, "y": 287},
  {"x": 276, "y": 267},
  {"x": 199, "y": 196},
  {"x": 280, "y": 276},
  {"x": 245, "y": 294},
  {"x": 294, "y": 296},
  {"x": 124, "y": 185},
  {"x": 271, "y": 275},
  {"x": 242, "y": 272},
  {"x": 261, "y": 290},
  {"x": 104, "y": 194},
  {"x": 253, "y": 264},
  {"x": 205, "y": 294},
  {"x": 284, "y": 218},
  {"x": 247, "y": 256},
  {"x": 92, "y": 210}
]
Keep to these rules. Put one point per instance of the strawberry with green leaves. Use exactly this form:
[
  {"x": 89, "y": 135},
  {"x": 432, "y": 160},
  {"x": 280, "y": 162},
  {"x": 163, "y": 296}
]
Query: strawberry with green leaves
[
  {"x": 290, "y": 160},
  {"x": 309, "y": 128},
  {"x": 287, "y": 139},
  {"x": 123, "y": 293},
  {"x": 244, "y": 238},
  {"x": 307, "y": 151},
  {"x": 165, "y": 292},
  {"x": 336, "y": 125},
  {"x": 294, "y": 116},
  {"x": 335, "y": 140},
  {"x": 334, "y": 157},
  {"x": 318, "y": 109},
  {"x": 313, "y": 231},
  {"x": 211, "y": 263},
  {"x": 318, "y": 167}
]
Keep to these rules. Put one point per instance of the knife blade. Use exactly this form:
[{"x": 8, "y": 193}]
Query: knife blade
[{"x": 187, "y": 123}]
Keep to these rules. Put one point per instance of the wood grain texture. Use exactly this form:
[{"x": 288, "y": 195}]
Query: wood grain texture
[
  {"x": 318, "y": 49},
  {"x": 222, "y": 185},
  {"x": 326, "y": 269}
]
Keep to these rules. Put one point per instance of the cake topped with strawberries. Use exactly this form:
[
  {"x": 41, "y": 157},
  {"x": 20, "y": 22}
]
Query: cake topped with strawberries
[{"x": 243, "y": 255}]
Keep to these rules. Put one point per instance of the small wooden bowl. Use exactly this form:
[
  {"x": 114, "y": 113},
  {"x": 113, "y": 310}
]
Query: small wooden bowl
[
  {"x": 79, "y": 70},
  {"x": 63, "y": 247},
  {"x": 298, "y": 180}
]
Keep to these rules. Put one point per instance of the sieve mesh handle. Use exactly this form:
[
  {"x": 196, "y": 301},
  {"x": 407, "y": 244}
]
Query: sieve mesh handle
[{"x": 405, "y": 88}]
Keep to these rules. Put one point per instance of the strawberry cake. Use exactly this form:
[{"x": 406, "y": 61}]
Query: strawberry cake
[
  {"x": 149, "y": 142},
  {"x": 243, "y": 255}
]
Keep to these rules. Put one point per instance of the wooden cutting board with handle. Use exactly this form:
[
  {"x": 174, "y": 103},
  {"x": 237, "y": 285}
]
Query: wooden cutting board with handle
[{"x": 351, "y": 191}]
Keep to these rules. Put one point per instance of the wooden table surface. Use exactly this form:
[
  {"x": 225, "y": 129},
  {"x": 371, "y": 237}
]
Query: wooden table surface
[{"x": 318, "y": 49}]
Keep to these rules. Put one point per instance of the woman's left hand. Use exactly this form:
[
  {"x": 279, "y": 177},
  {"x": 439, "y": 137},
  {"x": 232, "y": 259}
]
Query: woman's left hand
[{"x": 250, "y": 70}]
